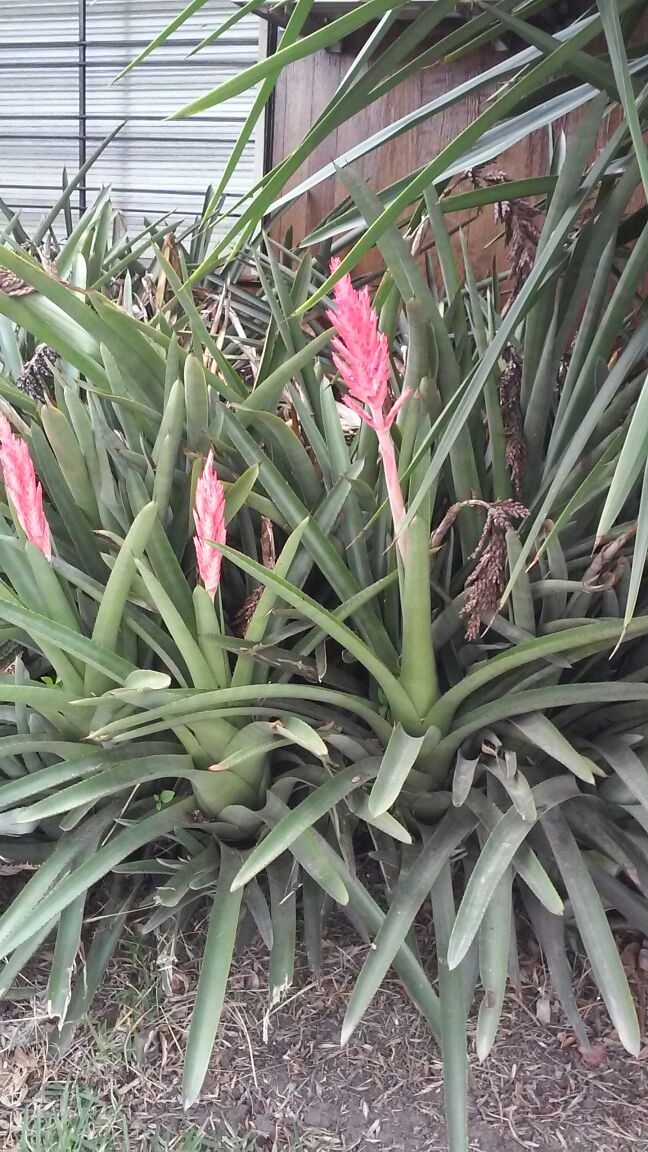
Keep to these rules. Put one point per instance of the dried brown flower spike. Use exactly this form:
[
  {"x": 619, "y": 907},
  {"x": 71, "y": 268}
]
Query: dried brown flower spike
[
  {"x": 12, "y": 285},
  {"x": 521, "y": 232},
  {"x": 486, "y": 582},
  {"x": 510, "y": 387},
  {"x": 37, "y": 373}
]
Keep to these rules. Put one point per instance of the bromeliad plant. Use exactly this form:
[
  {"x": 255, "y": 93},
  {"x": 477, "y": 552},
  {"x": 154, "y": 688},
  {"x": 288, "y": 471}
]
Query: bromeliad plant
[
  {"x": 428, "y": 636},
  {"x": 114, "y": 599}
]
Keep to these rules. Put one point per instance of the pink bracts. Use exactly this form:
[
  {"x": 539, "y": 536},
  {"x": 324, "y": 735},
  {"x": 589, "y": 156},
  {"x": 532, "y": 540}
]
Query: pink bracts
[
  {"x": 361, "y": 356},
  {"x": 209, "y": 517},
  {"x": 23, "y": 489}
]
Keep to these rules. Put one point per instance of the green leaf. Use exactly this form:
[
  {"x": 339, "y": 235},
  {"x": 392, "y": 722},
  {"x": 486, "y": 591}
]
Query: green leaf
[
  {"x": 515, "y": 783},
  {"x": 609, "y": 10},
  {"x": 245, "y": 670},
  {"x": 400, "y": 756},
  {"x": 298, "y": 463},
  {"x": 283, "y": 906},
  {"x": 632, "y": 907},
  {"x": 116, "y": 778},
  {"x": 304, "y": 816},
  {"x": 199, "y": 669},
  {"x": 583, "y": 66},
  {"x": 521, "y": 595},
  {"x": 305, "y": 848},
  {"x": 103, "y": 944},
  {"x": 368, "y": 911},
  {"x": 599, "y": 634},
  {"x": 312, "y": 908},
  {"x": 266, "y": 395},
  {"x": 542, "y": 733},
  {"x": 462, "y": 777},
  {"x": 182, "y": 706},
  {"x": 68, "y": 939},
  {"x": 634, "y": 455},
  {"x": 494, "y": 940},
  {"x": 418, "y": 666},
  {"x": 162, "y": 37},
  {"x": 626, "y": 764},
  {"x": 81, "y": 535},
  {"x": 399, "y": 701},
  {"x": 237, "y": 493},
  {"x": 78, "y": 179},
  {"x": 550, "y": 931},
  {"x": 359, "y": 804},
  {"x": 316, "y": 539},
  {"x": 407, "y": 898},
  {"x": 525, "y": 861},
  {"x": 22, "y": 955},
  {"x": 489, "y": 140},
  {"x": 88, "y": 651},
  {"x": 409, "y": 121},
  {"x": 16, "y": 926},
  {"x": 453, "y": 1020},
  {"x": 332, "y": 32},
  {"x": 147, "y": 679},
  {"x": 109, "y": 618},
  {"x": 495, "y": 857},
  {"x": 212, "y": 982},
  {"x": 595, "y": 931},
  {"x": 538, "y": 699},
  {"x": 640, "y": 553},
  {"x": 298, "y": 732},
  {"x": 298, "y": 16},
  {"x": 67, "y": 450}
]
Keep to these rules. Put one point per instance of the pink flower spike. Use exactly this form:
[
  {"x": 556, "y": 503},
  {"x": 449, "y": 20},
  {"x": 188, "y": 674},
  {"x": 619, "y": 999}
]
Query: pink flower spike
[
  {"x": 23, "y": 489},
  {"x": 209, "y": 517},
  {"x": 361, "y": 356},
  {"x": 360, "y": 351}
]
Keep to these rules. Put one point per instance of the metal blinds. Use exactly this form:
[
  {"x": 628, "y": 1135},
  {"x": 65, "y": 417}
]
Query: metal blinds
[{"x": 58, "y": 59}]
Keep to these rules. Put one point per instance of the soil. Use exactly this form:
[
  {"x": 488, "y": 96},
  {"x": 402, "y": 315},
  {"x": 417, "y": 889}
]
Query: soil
[{"x": 279, "y": 1079}]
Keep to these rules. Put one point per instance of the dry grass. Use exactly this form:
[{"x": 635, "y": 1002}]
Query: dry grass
[{"x": 279, "y": 1080}]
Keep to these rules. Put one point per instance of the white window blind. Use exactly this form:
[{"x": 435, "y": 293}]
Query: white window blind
[{"x": 58, "y": 59}]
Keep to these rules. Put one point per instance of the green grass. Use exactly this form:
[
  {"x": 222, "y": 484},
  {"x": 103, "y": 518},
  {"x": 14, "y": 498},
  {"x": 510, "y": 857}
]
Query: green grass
[{"x": 76, "y": 1120}]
